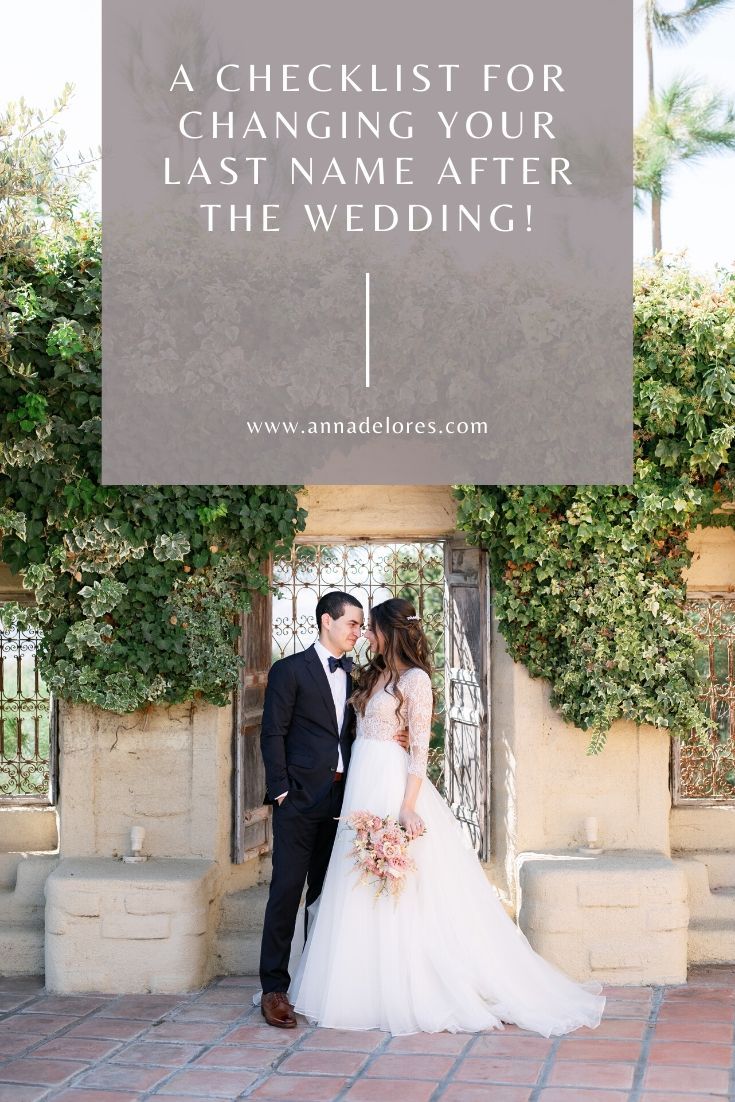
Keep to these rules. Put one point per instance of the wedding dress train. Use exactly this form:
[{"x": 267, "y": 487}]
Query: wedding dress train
[{"x": 444, "y": 955}]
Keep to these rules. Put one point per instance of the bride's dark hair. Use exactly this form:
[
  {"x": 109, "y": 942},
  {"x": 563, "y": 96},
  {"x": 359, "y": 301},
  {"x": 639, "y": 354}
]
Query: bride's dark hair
[{"x": 404, "y": 642}]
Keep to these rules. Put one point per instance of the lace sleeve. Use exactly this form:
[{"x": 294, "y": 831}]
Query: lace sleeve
[{"x": 419, "y": 711}]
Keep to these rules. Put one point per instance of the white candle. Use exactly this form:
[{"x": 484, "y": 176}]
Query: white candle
[{"x": 590, "y": 830}]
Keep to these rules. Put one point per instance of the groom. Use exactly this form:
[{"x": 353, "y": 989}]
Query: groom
[{"x": 306, "y": 738}]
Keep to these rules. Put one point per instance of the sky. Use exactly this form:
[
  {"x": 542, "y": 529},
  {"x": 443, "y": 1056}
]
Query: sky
[{"x": 697, "y": 216}]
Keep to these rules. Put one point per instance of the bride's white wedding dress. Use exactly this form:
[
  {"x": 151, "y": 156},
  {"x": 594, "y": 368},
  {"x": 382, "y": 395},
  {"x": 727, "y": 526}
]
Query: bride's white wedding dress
[{"x": 442, "y": 956}]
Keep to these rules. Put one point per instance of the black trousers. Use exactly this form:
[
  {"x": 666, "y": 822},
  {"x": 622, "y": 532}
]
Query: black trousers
[{"x": 302, "y": 845}]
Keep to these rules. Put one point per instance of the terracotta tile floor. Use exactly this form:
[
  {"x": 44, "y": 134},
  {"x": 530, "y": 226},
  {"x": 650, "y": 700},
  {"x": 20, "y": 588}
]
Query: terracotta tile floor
[{"x": 672, "y": 1044}]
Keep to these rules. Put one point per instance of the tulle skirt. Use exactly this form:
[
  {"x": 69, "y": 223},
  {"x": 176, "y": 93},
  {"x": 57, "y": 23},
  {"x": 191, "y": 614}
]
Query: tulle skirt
[{"x": 443, "y": 955}]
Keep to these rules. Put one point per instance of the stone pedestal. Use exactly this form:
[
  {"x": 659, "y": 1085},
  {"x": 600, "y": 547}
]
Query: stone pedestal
[
  {"x": 618, "y": 918},
  {"x": 128, "y": 928}
]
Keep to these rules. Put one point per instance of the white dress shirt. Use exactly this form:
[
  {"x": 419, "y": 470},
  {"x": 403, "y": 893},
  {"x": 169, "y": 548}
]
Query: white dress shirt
[{"x": 338, "y": 686}]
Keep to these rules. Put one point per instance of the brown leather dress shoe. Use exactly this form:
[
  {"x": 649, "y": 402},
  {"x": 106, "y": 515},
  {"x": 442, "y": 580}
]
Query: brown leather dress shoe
[{"x": 277, "y": 1010}]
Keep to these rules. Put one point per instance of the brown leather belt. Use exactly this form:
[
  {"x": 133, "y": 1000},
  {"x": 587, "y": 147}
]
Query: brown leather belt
[{"x": 338, "y": 777}]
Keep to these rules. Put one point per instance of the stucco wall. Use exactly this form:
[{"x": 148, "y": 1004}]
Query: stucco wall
[
  {"x": 28, "y": 829},
  {"x": 544, "y": 783},
  {"x": 11, "y": 587},
  {"x": 166, "y": 769},
  {"x": 378, "y": 512},
  {"x": 713, "y": 562}
]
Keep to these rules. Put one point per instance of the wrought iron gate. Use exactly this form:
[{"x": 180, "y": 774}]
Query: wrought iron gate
[
  {"x": 467, "y": 744},
  {"x": 373, "y": 572},
  {"x": 27, "y": 723},
  {"x": 708, "y": 776}
]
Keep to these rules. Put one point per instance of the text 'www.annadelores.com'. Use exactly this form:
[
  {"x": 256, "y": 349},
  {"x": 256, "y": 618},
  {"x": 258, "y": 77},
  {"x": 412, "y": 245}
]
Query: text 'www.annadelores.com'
[{"x": 368, "y": 426}]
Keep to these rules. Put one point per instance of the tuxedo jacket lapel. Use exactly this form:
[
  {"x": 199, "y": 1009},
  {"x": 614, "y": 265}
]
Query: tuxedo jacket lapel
[
  {"x": 317, "y": 672},
  {"x": 348, "y": 707}
]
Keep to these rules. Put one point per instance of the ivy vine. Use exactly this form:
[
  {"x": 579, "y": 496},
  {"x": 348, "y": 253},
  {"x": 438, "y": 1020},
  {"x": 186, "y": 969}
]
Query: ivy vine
[
  {"x": 137, "y": 588},
  {"x": 588, "y": 580}
]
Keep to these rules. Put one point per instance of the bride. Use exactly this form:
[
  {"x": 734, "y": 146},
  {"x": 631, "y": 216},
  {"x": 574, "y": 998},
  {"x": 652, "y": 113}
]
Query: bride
[{"x": 444, "y": 955}]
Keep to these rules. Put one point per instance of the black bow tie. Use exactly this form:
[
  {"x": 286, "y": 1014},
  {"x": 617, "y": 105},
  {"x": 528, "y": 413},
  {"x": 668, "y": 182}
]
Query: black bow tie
[{"x": 345, "y": 664}]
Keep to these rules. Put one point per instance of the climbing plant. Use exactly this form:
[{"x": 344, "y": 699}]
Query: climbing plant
[
  {"x": 588, "y": 580},
  {"x": 137, "y": 588}
]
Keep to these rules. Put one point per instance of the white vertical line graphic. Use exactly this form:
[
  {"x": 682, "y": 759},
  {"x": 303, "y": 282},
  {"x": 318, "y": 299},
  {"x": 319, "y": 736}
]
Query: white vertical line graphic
[{"x": 367, "y": 329}]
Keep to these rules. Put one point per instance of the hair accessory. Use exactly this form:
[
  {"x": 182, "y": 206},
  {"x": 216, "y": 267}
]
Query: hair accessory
[{"x": 413, "y": 617}]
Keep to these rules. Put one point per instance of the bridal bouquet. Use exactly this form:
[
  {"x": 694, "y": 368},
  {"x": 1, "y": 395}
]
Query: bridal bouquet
[{"x": 379, "y": 851}]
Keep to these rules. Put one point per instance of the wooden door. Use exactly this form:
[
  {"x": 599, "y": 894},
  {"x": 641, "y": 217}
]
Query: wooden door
[{"x": 252, "y": 826}]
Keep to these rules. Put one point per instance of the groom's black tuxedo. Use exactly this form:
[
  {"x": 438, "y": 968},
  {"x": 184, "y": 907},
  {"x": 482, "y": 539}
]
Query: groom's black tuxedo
[
  {"x": 299, "y": 736},
  {"x": 300, "y": 741}
]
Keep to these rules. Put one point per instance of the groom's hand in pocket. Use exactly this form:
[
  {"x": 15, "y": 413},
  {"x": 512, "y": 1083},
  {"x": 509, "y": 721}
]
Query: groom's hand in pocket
[{"x": 402, "y": 738}]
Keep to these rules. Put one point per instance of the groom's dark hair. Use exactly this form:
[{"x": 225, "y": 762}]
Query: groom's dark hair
[{"x": 334, "y": 603}]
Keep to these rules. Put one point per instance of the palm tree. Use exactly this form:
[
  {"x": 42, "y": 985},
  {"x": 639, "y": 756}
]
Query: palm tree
[
  {"x": 683, "y": 123},
  {"x": 672, "y": 28}
]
